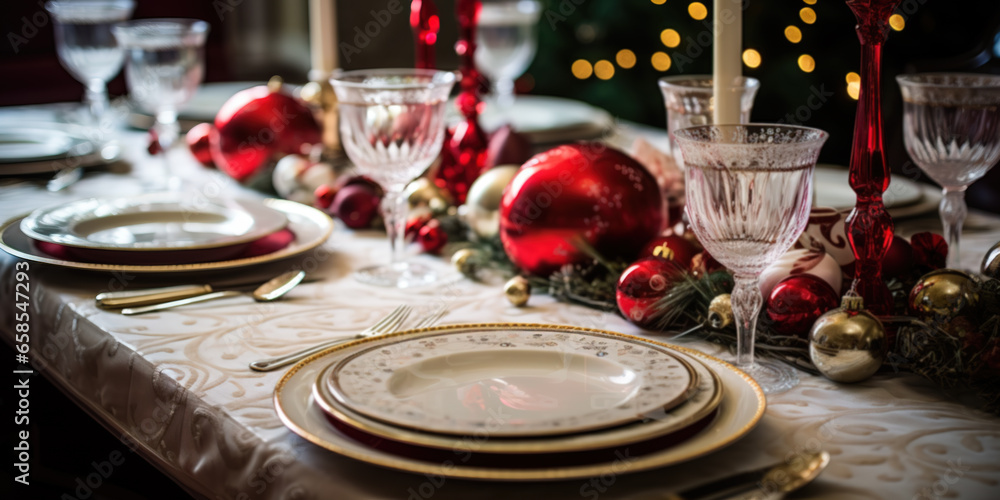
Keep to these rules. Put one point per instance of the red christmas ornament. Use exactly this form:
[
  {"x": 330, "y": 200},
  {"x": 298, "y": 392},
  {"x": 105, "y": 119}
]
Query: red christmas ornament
[
  {"x": 356, "y": 205},
  {"x": 899, "y": 259},
  {"x": 324, "y": 196},
  {"x": 797, "y": 301},
  {"x": 414, "y": 225},
  {"x": 507, "y": 147},
  {"x": 198, "y": 142},
  {"x": 930, "y": 250},
  {"x": 640, "y": 286},
  {"x": 432, "y": 237},
  {"x": 258, "y": 125},
  {"x": 675, "y": 248},
  {"x": 578, "y": 191},
  {"x": 154, "y": 147}
]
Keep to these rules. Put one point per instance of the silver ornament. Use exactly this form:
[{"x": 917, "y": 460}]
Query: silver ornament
[
  {"x": 848, "y": 344},
  {"x": 483, "y": 202}
]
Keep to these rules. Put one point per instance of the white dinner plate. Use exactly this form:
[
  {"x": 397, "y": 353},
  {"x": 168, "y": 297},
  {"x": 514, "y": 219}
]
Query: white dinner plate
[
  {"x": 153, "y": 222},
  {"x": 27, "y": 144},
  {"x": 37, "y": 147},
  {"x": 742, "y": 407},
  {"x": 544, "y": 119},
  {"x": 834, "y": 190},
  {"x": 699, "y": 406},
  {"x": 516, "y": 382},
  {"x": 309, "y": 226}
]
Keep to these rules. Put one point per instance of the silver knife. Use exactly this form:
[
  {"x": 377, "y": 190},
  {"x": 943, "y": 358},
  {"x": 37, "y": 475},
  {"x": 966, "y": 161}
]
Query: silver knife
[{"x": 149, "y": 296}]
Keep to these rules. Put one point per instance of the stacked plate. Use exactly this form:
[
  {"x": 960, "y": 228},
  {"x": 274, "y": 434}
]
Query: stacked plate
[
  {"x": 164, "y": 232},
  {"x": 34, "y": 147},
  {"x": 517, "y": 402}
]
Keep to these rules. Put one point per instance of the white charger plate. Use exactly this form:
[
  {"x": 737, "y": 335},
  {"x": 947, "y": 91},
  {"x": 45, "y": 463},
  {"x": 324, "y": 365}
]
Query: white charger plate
[
  {"x": 699, "y": 406},
  {"x": 153, "y": 222},
  {"x": 517, "y": 383},
  {"x": 743, "y": 404},
  {"x": 310, "y": 226}
]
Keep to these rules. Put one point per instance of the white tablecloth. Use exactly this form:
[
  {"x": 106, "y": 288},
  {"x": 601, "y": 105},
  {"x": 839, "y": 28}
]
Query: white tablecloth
[{"x": 175, "y": 385}]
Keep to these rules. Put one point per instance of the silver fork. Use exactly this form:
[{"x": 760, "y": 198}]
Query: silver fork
[{"x": 388, "y": 324}]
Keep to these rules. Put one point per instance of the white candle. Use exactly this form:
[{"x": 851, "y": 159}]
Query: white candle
[
  {"x": 727, "y": 52},
  {"x": 323, "y": 36}
]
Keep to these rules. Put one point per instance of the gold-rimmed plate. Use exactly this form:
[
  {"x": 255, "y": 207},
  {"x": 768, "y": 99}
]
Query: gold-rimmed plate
[
  {"x": 519, "y": 382},
  {"x": 741, "y": 408},
  {"x": 700, "y": 405},
  {"x": 153, "y": 222},
  {"x": 309, "y": 226}
]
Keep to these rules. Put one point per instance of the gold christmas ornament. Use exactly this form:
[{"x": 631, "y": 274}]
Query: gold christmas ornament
[
  {"x": 991, "y": 262},
  {"x": 424, "y": 197},
  {"x": 517, "y": 291},
  {"x": 720, "y": 311},
  {"x": 483, "y": 202},
  {"x": 939, "y": 296},
  {"x": 464, "y": 261},
  {"x": 848, "y": 344}
]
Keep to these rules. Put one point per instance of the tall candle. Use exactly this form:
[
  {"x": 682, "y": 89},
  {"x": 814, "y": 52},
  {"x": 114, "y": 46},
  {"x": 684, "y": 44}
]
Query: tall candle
[
  {"x": 323, "y": 35},
  {"x": 727, "y": 52}
]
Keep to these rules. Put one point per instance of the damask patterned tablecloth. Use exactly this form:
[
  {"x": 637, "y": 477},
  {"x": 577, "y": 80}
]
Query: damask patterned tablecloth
[{"x": 175, "y": 385}]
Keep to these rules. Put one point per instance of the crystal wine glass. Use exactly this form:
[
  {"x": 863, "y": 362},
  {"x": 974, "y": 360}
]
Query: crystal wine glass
[
  {"x": 506, "y": 42},
  {"x": 165, "y": 61},
  {"x": 749, "y": 190},
  {"x": 86, "y": 47},
  {"x": 392, "y": 128},
  {"x": 951, "y": 126},
  {"x": 689, "y": 101}
]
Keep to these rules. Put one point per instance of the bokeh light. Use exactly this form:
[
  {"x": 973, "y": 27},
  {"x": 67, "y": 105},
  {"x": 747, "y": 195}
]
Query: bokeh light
[
  {"x": 661, "y": 61},
  {"x": 670, "y": 38},
  {"x": 897, "y": 22},
  {"x": 751, "y": 58},
  {"x": 793, "y": 34},
  {"x": 604, "y": 69},
  {"x": 625, "y": 58},
  {"x": 808, "y": 15},
  {"x": 854, "y": 90},
  {"x": 853, "y": 77},
  {"x": 582, "y": 69},
  {"x": 698, "y": 11},
  {"x": 807, "y": 63},
  {"x": 658, "y": 2}
]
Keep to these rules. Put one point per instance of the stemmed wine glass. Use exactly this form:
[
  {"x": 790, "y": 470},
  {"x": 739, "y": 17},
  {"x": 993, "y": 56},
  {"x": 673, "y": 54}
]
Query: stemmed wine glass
[
  {"x": 951, "y": 126},
  {"x": 506, "y": 42},
  {"x": 86, "y": 47},
  {"x": 165, "y": 61},
  {"x": 749, "y": 191},
  {"x": 392, "y": 128}
]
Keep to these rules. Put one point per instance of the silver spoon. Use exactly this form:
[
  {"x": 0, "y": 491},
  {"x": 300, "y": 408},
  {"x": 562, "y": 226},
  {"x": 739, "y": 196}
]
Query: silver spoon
[{"x": 272, "y": 290}]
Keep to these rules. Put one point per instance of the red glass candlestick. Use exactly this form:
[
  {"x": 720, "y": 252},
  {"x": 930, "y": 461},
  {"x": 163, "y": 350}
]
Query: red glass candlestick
[
  {"x": 468, "y": 143},
  {"x": 425, "y": 23},
  {"x": 869, "y": 226}
]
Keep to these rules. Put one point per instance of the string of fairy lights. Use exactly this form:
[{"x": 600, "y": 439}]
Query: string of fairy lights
[{"x": 671, "y": 38}]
